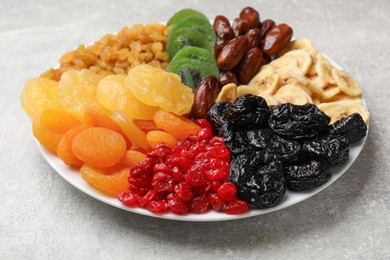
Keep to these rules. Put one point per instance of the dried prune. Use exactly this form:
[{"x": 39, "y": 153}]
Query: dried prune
[
  {"x": 307, "y": 176},
  {"x": 237, "y": 142},
  {"x": 259, "y": 181},
  {"x": 218, "y": 120},
  {"x": 248, "y": 112},
  {"x": 259, "y": 138},
  {"x": 282, "y": 146},
  {"x": 333, "y": 149},
  {"x": 353, "y": 128},
  {"x": 298, "y": 121},
  {"x": 286, "y": 149}
]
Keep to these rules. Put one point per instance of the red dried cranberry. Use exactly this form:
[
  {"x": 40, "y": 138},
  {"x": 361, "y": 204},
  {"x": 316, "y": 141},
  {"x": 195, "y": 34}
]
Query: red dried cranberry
[
  {"x": 227, "y": 191},
  {"x": 203, "y": 123},
  {"x": 196, "y": 177},
  {"x": 138, "y": 190},
  {"x": 215, "y": 186},
  {"x": 177, "y": 205},
  {"x": 178, "y": 174},
  {"x": 129, "y": 199},
  {"x": 216, "y": 203},
  {"x": 200, "y": 205},
  {"x": 157, "y": 206},
  {"x": 142, "y": 181},
  {"x": 236, "y": 207},
  {"x": 189, "y": 177},
  {"x": 183, "y": 191},
  {"x": 143, "y": 201},
  {"x": 162, "y": 167},
  {"x": 163, "y": 182},
  {"x": 204, "y": 134},
  {"x": 201, "y": 190}
]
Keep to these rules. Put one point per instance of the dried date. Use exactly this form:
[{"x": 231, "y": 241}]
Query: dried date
[
  {"x": 250, "y": 65},
  {"x": 232, "y": 53},
  {"x": 204, "y": 96},
  {"x": 276, "y": 39},
  {"x": 251, "y": 16}
]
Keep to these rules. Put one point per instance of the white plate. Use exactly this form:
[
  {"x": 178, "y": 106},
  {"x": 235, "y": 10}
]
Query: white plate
[{"x": 74, "y": 178}]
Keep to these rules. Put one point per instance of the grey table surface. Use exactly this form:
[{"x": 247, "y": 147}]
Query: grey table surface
[{"x": 44, "y": 217}]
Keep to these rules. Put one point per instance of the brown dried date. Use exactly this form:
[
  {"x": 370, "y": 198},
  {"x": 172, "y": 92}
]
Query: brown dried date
[
  {"x": 276, "y": 39},
  {"x": 204, "y": 97},
  {"x": 254, "y": 38},
  {"x": 250, "y": 65},
  {"x": 240, "y": 26},
  {"x": 226, "y": 77},
  {"x": 222, "y": 27},
  {"x": 232, "y": 53},
  {"x": 251, "y": 16},
  {"x": 266, "y": 26},
  {"x": 219, "y": 44}
]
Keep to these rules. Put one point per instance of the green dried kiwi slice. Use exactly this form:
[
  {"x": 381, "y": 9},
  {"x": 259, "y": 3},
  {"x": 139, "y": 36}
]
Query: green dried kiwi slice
[
  {"x": 186, "y": 37},
  {"x": 183, "y": 14},
  {"x": 199, "y": 24},
  {"x": 192, "y": 71},
  {"x": 196, "y": 53}
]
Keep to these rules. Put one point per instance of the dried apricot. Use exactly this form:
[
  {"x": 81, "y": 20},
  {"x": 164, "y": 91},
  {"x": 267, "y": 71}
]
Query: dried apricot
[
  {"x": 136, "y": 135},
  {"x": 49, "y": 127},
  {"x": 114, "y": 95},
  {"x": 145, "y": 125},
  {"x": 77, "y": 91},
  {"x": 132, "y": 157},
  {"x": 160, "y": 137},
  {"x": 178, "y": 126},
  {"x": 38, "y": 95},
  {"x": 64, "y": 148},
  {"x": 157, "y": 87},
  {"x": 111, "y": 180},
  {"x": 95, "y": 116},
  {"x": 99, "y": 147}
]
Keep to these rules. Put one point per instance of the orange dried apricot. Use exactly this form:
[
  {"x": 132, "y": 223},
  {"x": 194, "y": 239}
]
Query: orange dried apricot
[
  {"x": 145, "y": 125},
  {"x": 64, "y": 148},
  {"x": 111, "y": 180},
  {"x": 49, "y": 127},
  {"x": 178, "y": 126},
  {"x": 136, "y": 135},
  {"x": 132, "y": 157},
  {"x": 160, "y": 137},
  {"x": 38, "y": 95},
  {"x": 99, "y": 147},
  {"x": 96, "y": 116}
]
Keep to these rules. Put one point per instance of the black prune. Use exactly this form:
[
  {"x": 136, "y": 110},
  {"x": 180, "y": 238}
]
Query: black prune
[
  {"x": 237, "y": 142},
  {"x": 307, "y": 176},
  {"x": 353, "y": 128},
  {"x": 217, "y": 119},
  {"x": 259, "y": 182},
  {"x": 298, "y": 121},
  {"x": 286, "y": 149},
  {"x": 248, "y": 112},
  {"x": 259, "y": 138},
  {"x": 333, "y": 149}
]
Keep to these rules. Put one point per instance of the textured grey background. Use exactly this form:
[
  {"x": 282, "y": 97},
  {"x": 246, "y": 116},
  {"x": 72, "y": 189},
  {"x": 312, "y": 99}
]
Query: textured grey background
[{"x": 43, "y": 217}]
